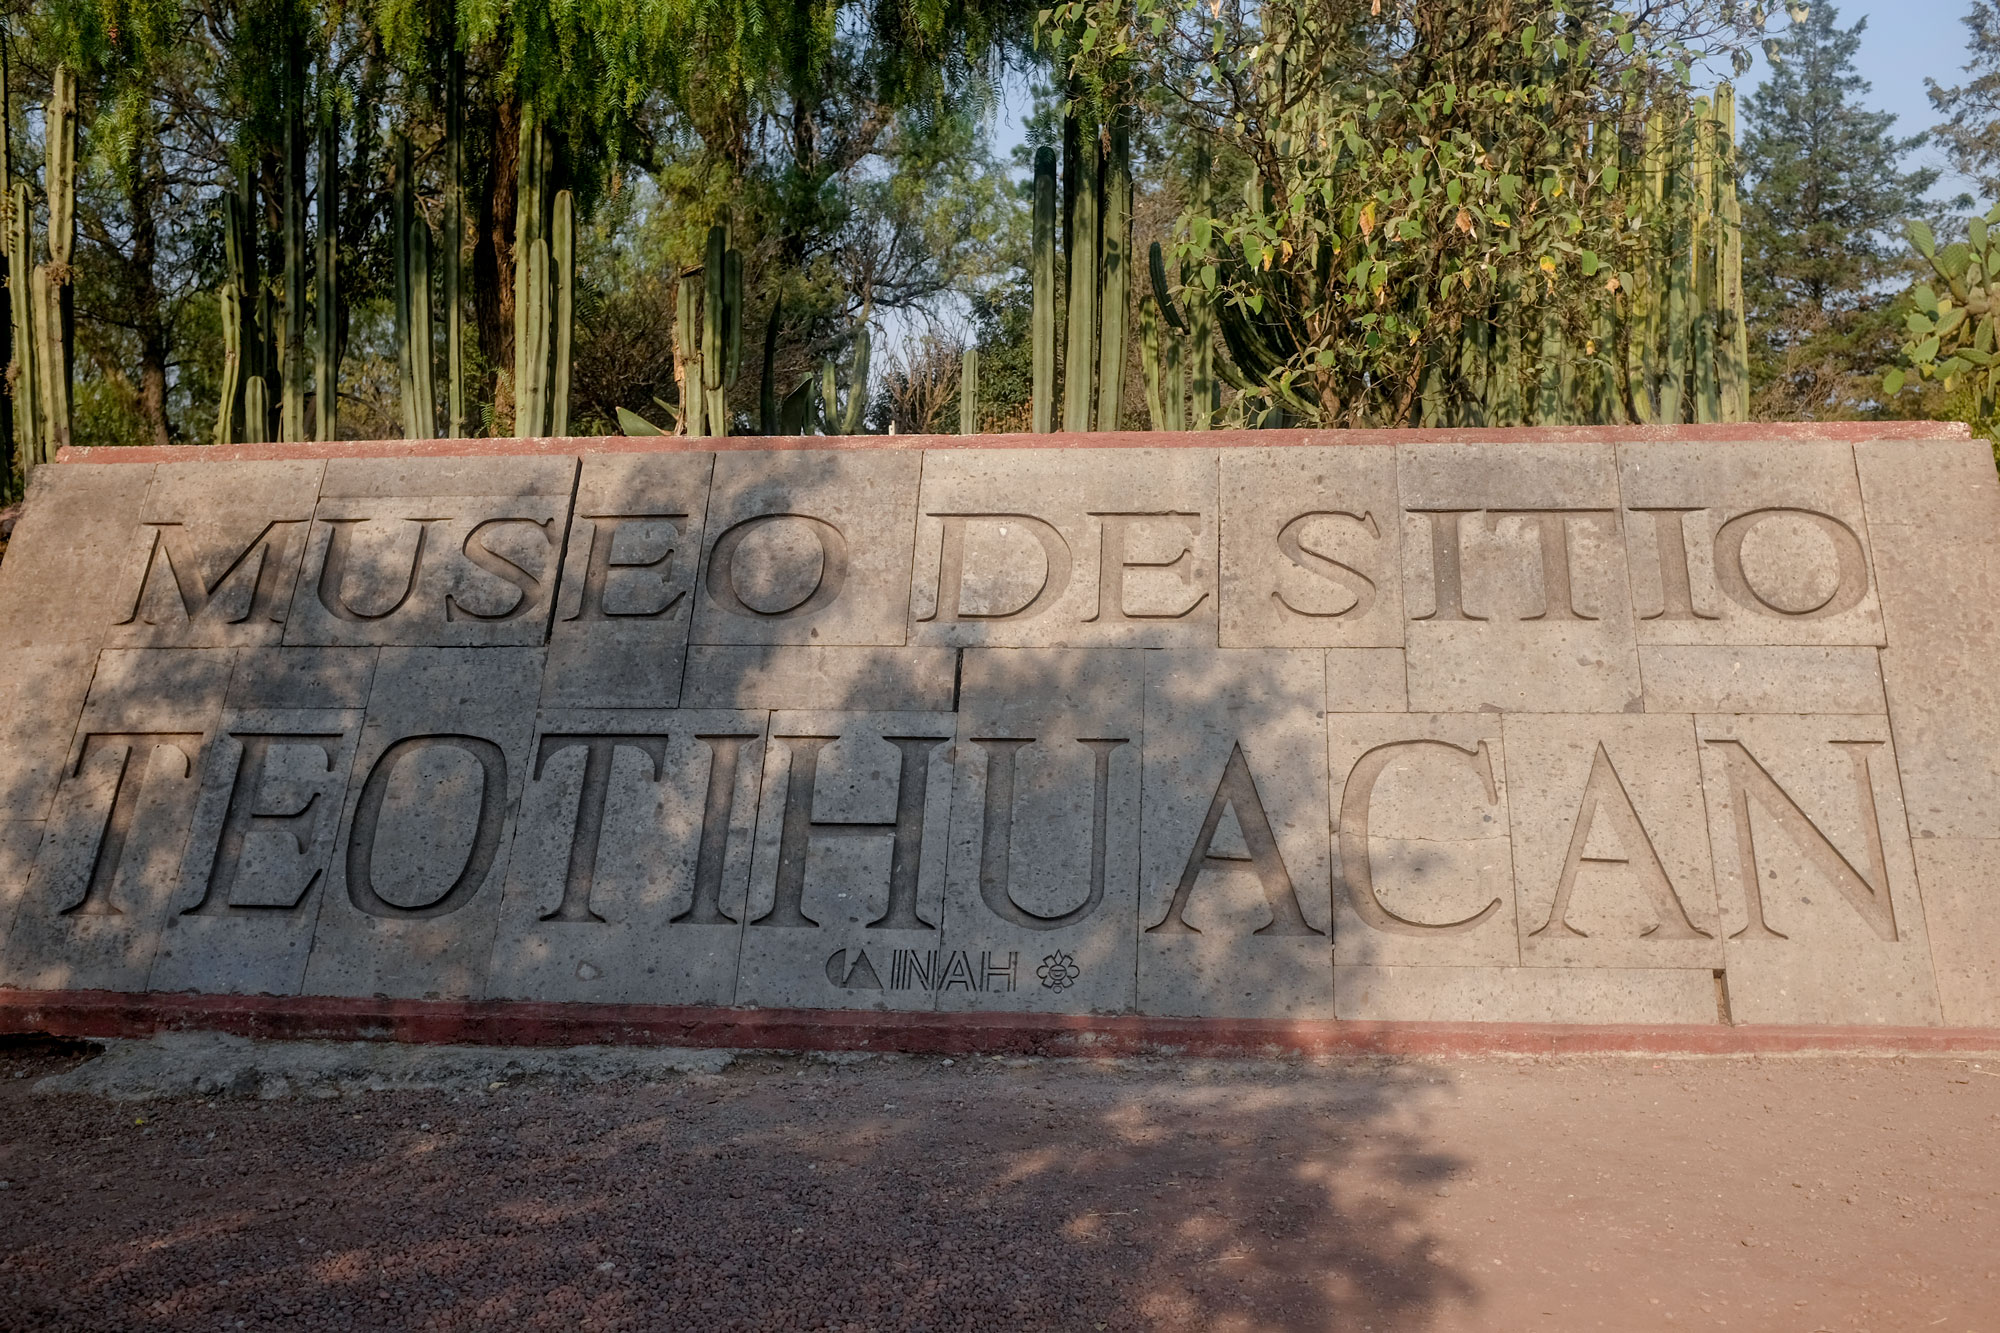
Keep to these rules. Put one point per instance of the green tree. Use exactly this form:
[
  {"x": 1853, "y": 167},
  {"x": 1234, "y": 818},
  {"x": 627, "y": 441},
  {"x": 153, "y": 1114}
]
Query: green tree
[
  {"x": 1399, "y": 184},
  {"x": 1826, "y": 196},
  {"x": 1970, "y": 134}
]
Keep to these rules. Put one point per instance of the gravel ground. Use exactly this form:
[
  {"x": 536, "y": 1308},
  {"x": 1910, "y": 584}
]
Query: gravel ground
[{"x": 308, "y": 1187}]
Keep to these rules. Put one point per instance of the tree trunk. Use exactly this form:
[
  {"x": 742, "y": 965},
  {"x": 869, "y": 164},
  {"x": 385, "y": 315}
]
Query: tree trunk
[
  {"x": 493, "y": 251},
  {"x": 148, "y": 313}
]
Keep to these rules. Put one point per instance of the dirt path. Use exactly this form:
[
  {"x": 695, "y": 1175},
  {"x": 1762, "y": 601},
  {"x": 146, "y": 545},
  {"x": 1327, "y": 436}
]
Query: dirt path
[{"x": 1786, "y": 1194}]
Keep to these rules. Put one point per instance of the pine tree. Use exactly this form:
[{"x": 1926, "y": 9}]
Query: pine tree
[
  {"x": 1971, "y": 131},
  {"x": 1826, "y": 194}
]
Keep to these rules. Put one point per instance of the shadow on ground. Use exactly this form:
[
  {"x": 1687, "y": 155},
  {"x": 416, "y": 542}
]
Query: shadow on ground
[{"x": 780, "y": 1194}]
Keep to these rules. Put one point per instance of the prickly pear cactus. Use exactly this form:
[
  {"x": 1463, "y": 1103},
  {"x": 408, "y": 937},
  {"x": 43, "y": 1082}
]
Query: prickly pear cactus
[{"x": 1951, "y": 332}]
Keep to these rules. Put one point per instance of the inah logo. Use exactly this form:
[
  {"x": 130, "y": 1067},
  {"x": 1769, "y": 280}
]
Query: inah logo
[
  {"x": 1058, "y": 971},
  {"x": 925, "y": 969}
]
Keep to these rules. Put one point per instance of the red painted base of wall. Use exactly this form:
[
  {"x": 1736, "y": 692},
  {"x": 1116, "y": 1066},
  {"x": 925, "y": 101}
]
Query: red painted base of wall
[{"x": 523, "y": 1023}]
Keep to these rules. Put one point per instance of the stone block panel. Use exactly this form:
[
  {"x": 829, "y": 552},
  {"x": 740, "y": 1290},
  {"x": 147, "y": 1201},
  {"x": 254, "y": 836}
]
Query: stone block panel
[
  {"x": 41, "y": 692},
  {"x": 1760, "y": 678},
  {"x": 1960, "y": 882},
  {"x": 413, "y": 890},
  {"x": 60, "y": 582},
  {"x": 397, "y": 557},
  {"x": 1748, "y": 543},
  {"x": 20, "y": 840},
  {"x": 1514, "y": 581},
  {"x": 809, "y": 548},
  {"x": 1821, "y": 918},
  {"x": 1235, "y": 906},
  {"x": 1311, "y": 548},
  {"x": 1422, "y": 870},
  {"x": 627, "y": 598},
  {"x": 1525, "y": 995},
  {"x": 109, "y": 862},
  {"x": 215, "y": 555},
  {"x": 631, "y": 864},
  {"x": 1937, "y": 552},
  {"x": 846, "y": 893},
  {"x": 1075, "y": 548},
  {"x": 1044, "y": 867}
]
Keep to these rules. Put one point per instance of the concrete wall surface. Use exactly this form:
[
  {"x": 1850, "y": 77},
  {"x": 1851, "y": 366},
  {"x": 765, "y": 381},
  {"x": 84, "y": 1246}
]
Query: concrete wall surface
[{"x": 1532, "y": 726}]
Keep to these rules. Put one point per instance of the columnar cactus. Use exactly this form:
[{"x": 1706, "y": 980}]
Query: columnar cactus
[
  {"x": 1079, "y": 356},
  {"x": 721, "y": 334},
  {"x": 846, "y": 419},
  {"x": 531, "y": 281},
  {"x": 968, "y": 392},
  {"x": 1043, "y": 327},
  {"x": 292, "y": 411},
  {"x": 1115, "y": 264},
  {"x": 563, "y": 237},
  {"x": 22, "y": 308},
  {"x": 55, "y": 299},
  {"x": 687, "y": 352},
  {"x": 229, "y": 412},
  {"x": 452, "y": 252}
]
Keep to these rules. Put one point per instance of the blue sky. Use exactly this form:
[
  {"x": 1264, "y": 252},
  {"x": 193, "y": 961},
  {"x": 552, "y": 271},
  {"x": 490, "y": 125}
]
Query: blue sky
[{"x": 1903, "y": 43}]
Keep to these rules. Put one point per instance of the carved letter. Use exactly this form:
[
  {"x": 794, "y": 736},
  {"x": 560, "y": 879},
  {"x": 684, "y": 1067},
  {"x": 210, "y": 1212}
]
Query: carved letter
[
  {"x": 1851, "y": 568},
  {"x": 333, "y": 573},
  {"x": 1358, "y": 586},
  {"x": 499, "y": 566},
  {"x": 1238, "y": 792},
  {"x": 588, "y": 829},
  {"x": 1355, "y": 865},
  {"x": 996, "y": 847},
  {"x": 1447, "y": 566},
  {"x": 123, "y": 807},
  {"x": 906, "y": 832},
  {"x": 725, "y": 753},
  {"x": 951, "y": 568},
  {"x": 1604, "y": 794},
  {"x": 1552, "y": 532},
  {"x": 1112, "y": 562},
  {"x": 832, "y": 571},
  {"x": 174, "y": 587},
  {"x": 1676, "y": 590},
  {"x": 485, "y": 840},
  {"x": 1868, "y": 896},
  {"x": 286, "y": 817},
  {"x": 601, "y": 542}
]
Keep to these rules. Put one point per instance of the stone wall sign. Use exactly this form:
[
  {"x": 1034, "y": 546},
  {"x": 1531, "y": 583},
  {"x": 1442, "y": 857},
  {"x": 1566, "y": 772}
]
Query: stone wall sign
[{"x": 1598, "y": 727}]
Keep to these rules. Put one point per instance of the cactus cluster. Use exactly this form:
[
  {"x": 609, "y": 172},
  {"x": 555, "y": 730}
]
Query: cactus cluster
[
  {"x": 708, "y": 333},
  {"x": 1663, "y": 341},
  {"x": 1670, "y": 345},
  {"x": 1172, "y": 341},
  {"x": 845, "y": 419},
  {"x": 1092, "y": 301},
  {"x": 1952, "y": 336}
]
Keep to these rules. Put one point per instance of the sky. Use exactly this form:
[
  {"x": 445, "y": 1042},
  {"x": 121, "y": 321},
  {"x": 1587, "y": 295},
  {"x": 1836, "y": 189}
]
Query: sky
[{"x": 1903, "y": 43}]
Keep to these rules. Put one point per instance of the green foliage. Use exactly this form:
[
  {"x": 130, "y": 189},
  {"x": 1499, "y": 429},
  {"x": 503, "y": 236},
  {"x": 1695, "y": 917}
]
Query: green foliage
[
  {"x": 1970, "y": 134},
  {"x": 1398, "y": 176},
  {"x": 1949, "y": 337},
  {"x": 1826, "y": 194}
]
